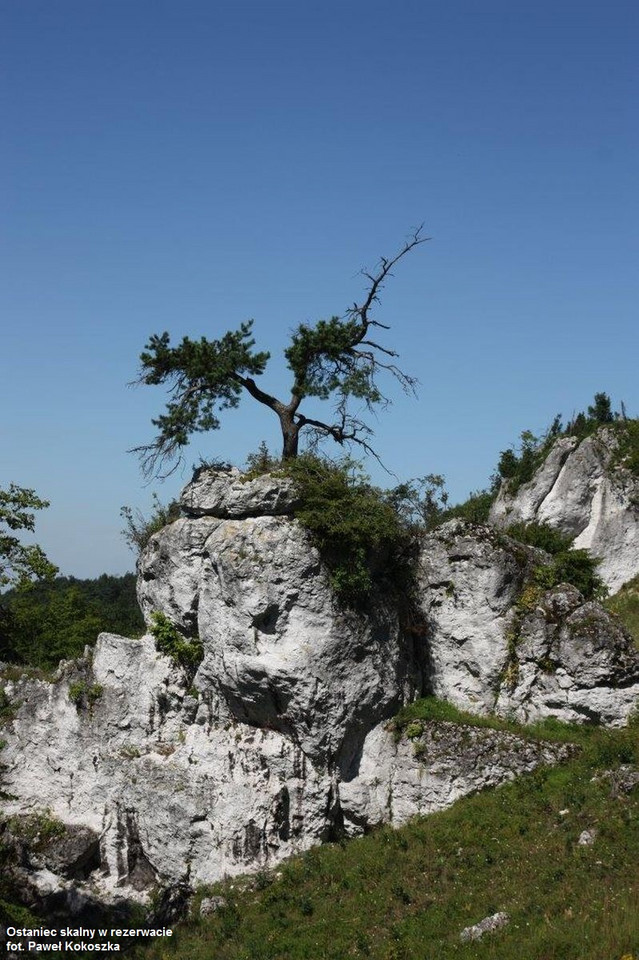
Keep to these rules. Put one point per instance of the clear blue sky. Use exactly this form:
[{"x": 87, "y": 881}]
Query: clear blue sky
[{"x": 188, "y": 165}]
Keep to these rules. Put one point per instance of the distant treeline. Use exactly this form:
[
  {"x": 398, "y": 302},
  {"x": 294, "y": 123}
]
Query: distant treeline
[{"x": 48, "y": 621}]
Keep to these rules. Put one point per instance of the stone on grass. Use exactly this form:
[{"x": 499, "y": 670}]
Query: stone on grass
[{"x": 487, "y": 925}]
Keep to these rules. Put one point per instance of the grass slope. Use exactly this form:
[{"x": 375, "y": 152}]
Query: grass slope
[{"x": 407, "y": 894}]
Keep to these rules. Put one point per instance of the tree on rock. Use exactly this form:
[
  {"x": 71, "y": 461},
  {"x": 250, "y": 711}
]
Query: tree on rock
[{"x": 335, "y": 359}]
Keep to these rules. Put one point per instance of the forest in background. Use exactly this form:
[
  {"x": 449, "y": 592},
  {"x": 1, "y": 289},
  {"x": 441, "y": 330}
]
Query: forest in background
[{"x": 44, "y": 622}]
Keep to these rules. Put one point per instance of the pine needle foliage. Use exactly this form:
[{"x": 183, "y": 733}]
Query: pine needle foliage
[{"x": 339, "y": 359}]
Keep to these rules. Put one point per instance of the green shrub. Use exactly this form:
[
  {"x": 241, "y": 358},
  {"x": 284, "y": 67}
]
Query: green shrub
[
  {"x": 539, "y": 535},
  {"x": 576, "y": 567},
  {"x": 170, "y": 642},
  {"x": 627, "y": 453},
  {"x": 475, "y": 509},
  {"x": 517, "y": 469},
  {"x": 422, "y": 504},
  {"x": 8, "y": 707},
  {"x": 83, "y": 694},
  {"x": 359, "y": 534},
  {"x": 414, "y": 729},
  {"x": 625, "y": 604},
  {"x": 39, "y": 829},
  {"x": 261, "y": 462},
  {"x": 139, "y": 529}
]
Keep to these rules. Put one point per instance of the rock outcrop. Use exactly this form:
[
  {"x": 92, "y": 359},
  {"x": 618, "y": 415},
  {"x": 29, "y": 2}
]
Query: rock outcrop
[
  {"x": 155, "y": 774},
  {"x": 583, "y": 490},
  {"x": 278, "y": 653},
  {"x": 499, "y": 643}
]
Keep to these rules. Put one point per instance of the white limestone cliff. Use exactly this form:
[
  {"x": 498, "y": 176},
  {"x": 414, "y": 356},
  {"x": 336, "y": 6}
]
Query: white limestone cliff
[{"x": 582, "y": 491}]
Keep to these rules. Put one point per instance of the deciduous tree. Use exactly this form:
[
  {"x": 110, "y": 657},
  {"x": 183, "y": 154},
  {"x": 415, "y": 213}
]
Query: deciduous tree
[{"x": 19, "y": 563}]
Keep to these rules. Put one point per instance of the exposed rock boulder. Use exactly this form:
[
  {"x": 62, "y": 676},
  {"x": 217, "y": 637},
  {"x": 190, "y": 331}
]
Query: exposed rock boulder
[
  {"x": 278, "y": 652},
  {"x": 170, "y": 795},
  {"x": 569, "y": 659},
  {"x": 469, "y": 579},
  {"x": 430, "y": 766},
  {"x": 177, "y": 798},
  {"x": 582, "y": 491},
  {"x": 487, "y": 925},
  {"x": 225, "y": 493},
  {"x": 499, "y": 643}
]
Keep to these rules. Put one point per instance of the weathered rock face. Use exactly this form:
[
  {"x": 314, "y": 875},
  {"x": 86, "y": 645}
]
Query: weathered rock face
[
  {"x": 279, "y": 653},
  {"x": 497, "y": 643},
  {"x": 469, "y": 579},
  {"x": 171, "y": 791},
  {"x": 581, "y": 492},
  {"x": 160, "y": 790},
  {"x": 400, "y": 779},
  {"x": 570, "y": 660},
  {"x": 224, "y": 493},
  {"x": 279, "y": 740}
]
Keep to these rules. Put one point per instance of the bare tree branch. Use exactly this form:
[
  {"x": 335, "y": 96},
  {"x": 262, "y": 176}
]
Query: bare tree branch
[
  {"x": 333, "y": 359},
  {"x": 377, "y": 281}
]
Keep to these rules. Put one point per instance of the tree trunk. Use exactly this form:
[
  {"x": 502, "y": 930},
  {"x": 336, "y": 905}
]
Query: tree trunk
[{"x": 290, "y": 438}]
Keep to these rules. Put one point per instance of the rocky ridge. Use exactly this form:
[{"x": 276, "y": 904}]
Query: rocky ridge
[
  {"x": 280, "y": 740},
  {"x": 583, "y": 490}
]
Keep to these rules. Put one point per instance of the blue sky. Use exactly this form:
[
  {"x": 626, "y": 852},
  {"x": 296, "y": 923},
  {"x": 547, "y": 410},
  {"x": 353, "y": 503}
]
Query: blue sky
[{"x": 189, "y": 165}]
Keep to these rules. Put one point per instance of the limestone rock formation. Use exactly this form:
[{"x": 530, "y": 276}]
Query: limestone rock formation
[
  {"x": 582, "y": 491},
  {"x": 226, "y": 493},
  {"x": 278, "y": 652},
  {"x": 159, "y": 774},
  {"x": 570, "y": 660},
  {"x": 499, "y": 643},
  {"x": 162, "y": 791},
  {"x": 433, "y": 765},
  {"x": 469, "y": 579}
]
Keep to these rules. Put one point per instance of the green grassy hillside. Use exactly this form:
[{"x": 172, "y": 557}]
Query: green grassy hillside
[{"x": 407, "y": 894}]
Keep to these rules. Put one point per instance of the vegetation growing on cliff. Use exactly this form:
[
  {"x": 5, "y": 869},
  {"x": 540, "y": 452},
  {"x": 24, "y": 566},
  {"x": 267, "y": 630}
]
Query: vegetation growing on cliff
[
  {"x": 567, "y": 565},
  {"x": 368, "y": 537},
  {"x": 625, "y": 604},
  {"x": 359, "y": 533},
  {"x": 139, "y": 529},
  {"x": 517, "y": 468},
  {"x": 169, "y": 641}
]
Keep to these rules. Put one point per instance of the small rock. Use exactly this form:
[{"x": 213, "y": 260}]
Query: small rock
[
  {"x": 586, "y": 838},
  {"x": 623, "y": 780},
  {"x": 487, "y": 925},
  {"x": 211, "y": 905},
  {"x": 225, "y": 493}
]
